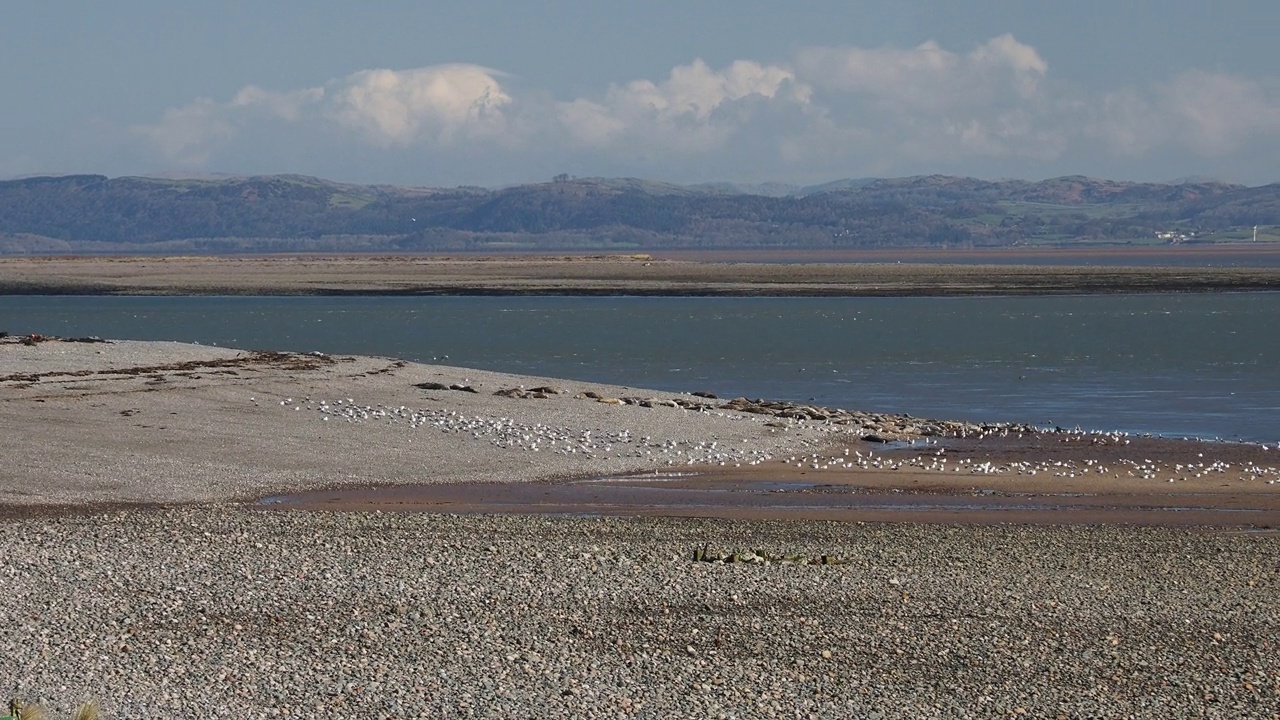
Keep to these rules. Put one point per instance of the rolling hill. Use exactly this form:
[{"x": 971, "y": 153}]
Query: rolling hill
[{"x": 290, "y": 213}]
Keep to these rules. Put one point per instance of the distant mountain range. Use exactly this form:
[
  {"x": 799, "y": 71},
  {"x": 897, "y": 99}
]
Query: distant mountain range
[{"x": 290, "y": 213}]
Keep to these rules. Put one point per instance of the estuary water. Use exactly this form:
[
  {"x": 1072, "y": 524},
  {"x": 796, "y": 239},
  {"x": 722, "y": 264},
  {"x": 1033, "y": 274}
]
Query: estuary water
[{"x": 1176, "y": 365}]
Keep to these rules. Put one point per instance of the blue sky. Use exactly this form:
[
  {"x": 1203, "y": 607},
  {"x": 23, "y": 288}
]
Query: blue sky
[{"x": 502, "y": 92}]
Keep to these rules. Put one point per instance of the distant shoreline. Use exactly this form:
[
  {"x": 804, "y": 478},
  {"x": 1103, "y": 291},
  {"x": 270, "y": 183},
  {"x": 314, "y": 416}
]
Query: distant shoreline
[{"x": 681, "y": 274}]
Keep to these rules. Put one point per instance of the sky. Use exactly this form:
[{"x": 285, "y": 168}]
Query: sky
[{"x": 495, "y": 93}]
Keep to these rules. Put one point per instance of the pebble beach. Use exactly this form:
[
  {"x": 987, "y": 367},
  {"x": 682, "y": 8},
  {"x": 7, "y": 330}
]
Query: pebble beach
[
  {"x": 140, "y": 569},
  {"x": 233, "y": 613}
]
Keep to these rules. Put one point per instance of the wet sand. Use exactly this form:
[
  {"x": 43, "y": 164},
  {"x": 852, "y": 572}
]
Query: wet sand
[
  {"x": 989, "y": 482},
  {"x": 834, "y": 499},
  {"x": 736, "y": 273}
]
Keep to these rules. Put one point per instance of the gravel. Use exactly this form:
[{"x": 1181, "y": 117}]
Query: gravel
[{"x": 231, "y": 612}]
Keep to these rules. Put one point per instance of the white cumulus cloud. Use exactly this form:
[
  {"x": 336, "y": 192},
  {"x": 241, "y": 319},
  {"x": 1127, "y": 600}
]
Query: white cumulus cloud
[
  {"x": 927, "y": 77},
  {"x": 387, "y": 108},
  {"x": 829, "y": 112},
  {"x": 927, "y": 102},
  {"x": 695, "y": 108},
  {"x": 438, "y": 103},
  {"x": 1211, "y": 113}
]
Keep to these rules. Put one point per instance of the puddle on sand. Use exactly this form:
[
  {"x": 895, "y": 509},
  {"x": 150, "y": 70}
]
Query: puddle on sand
[
  {"x": 697, "y": 495},
  {"x": 642, "y": 477}
]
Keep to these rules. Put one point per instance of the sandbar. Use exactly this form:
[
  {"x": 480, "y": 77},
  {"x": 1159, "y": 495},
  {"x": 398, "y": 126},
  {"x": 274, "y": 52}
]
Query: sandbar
[
  {"x": 168, "y": 423},
  {"x": 742, "y": 273}
]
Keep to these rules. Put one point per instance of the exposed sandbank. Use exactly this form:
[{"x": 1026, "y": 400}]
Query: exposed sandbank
[
  {"x": 598, "y": 275},
  {"x": 134, "y": 422}
]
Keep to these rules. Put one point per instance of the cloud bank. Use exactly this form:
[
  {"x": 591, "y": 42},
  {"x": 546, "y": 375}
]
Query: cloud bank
[{"x": 829, "y": 112}]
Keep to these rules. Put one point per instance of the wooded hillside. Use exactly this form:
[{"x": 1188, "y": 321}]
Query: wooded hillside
[{"x": 285, "y": 213}]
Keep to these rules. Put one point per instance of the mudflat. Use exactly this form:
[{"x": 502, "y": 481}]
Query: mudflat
[
  {"x": 674, "y": 273},
  {"x": 1037, "y": 479}
]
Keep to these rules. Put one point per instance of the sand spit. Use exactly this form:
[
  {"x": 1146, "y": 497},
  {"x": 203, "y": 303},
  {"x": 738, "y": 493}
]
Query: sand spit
[
  {"x": 145, "y": 422},
  {"x": 171, "y": 423},
  {"x": 681, "y": 274}
]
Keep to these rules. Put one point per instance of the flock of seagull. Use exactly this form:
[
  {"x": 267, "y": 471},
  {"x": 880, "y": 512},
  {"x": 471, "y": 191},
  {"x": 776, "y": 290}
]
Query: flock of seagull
[
  {"x": 506, "y": 433},
  {"x": 1145, "y": 469}
]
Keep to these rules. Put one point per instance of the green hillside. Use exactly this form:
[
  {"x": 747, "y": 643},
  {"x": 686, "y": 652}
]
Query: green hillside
[{"x": 93, "y": 213}]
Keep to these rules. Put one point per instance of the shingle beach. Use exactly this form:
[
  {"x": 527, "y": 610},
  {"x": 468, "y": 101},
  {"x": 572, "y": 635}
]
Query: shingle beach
[{"x": 138, "y": 569}]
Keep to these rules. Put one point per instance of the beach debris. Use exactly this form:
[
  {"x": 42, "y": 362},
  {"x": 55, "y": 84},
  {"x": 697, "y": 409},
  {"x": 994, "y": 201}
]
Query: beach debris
[
  {"x": 875, "y": 427},
  {"x": 429, "y": 385},
  {"x": 277, "y": 360},
  {"x": 653, "y": 402},
  {"x": 34, "y": 338},
  {"x": 540, "y": 393},
  {"x": 760, "y": 557}
]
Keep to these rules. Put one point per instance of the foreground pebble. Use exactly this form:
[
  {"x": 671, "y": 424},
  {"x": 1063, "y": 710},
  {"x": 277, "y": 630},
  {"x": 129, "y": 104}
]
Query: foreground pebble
[{"x": 232, "y": 612}]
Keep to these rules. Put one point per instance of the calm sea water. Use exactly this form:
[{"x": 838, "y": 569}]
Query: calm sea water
[{"x": 1180, "y": 365}]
